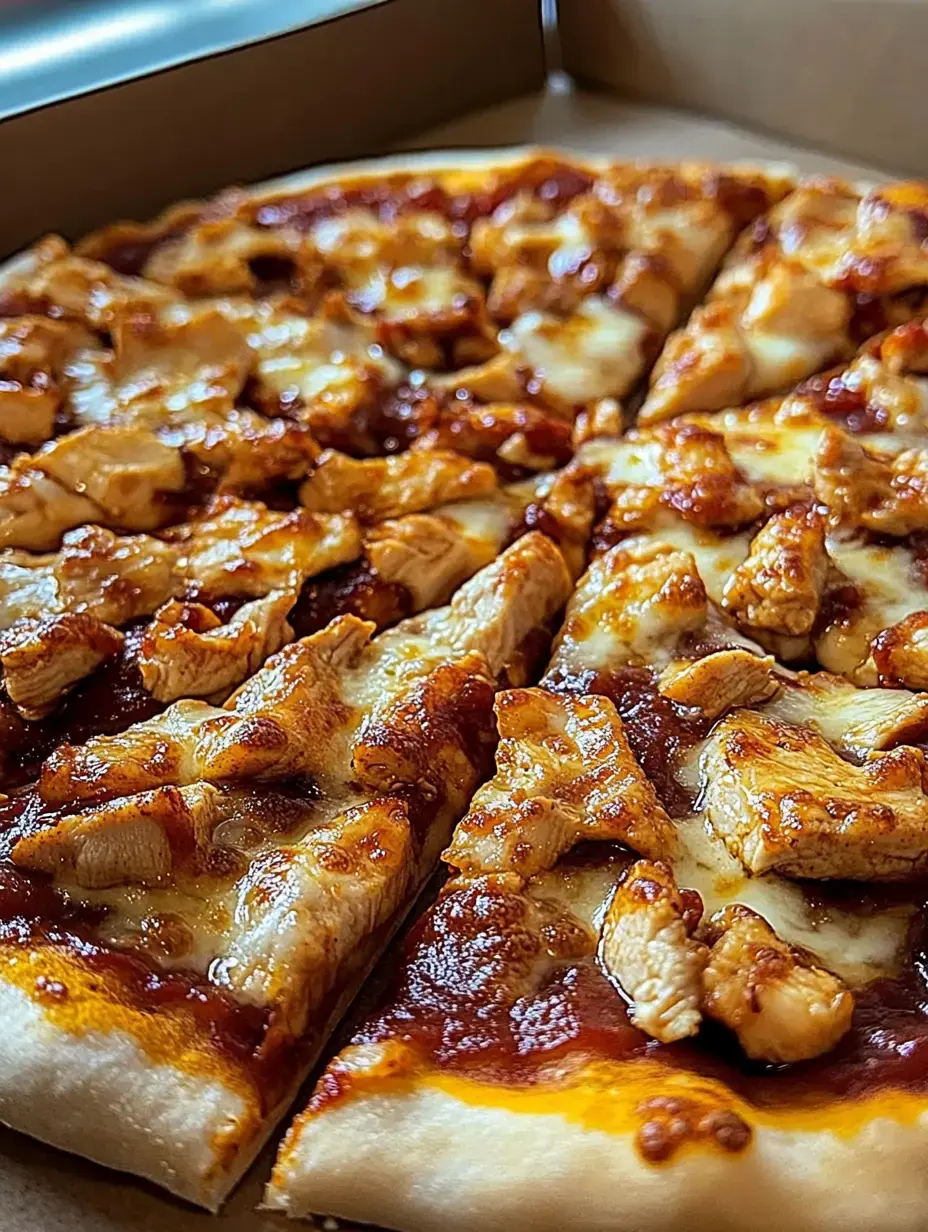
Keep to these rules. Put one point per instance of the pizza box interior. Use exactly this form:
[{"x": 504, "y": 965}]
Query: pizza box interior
[{"x": 831, "y": 85}]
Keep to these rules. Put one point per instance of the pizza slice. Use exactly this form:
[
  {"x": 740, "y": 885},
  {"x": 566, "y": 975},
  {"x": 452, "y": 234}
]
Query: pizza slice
[
  {"x": 189, "y": 904},
  {"x": 648, "y": 974},
  {"x": 829, "y": 266}
]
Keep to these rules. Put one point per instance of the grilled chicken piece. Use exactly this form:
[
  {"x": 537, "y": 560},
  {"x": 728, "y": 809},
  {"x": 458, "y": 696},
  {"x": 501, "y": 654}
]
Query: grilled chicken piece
[
  {"x": 427, "y": 554},
  {"x": 719, "y": 682},
  {"x": 646, "y": 948},
  {"x": 42, "y": 660},
  {"x": 141, "y": 839},
  {"x": 34, "y": 353},
  {"x": 781, "y": 1006},
  {"x": 239, "y": 547},
  {"x": 564, "y": 773},
  {"x": 779, "y": 587},
  {"x": 782, "y": 800},
  {"x": 242, "y": 451},
  {"x": 187, "y": 651},
  {"x": 35, "y": 510},
  {"x": 496, "y": 610},
  {"x": 900, "y": 652},
  {"x": 303, "y": 911},
  {"x": 379, "y": 488},
  {"x": 633, "y": 605},
  {"x": 856, "y": 722},
  {"x": 887, "y": 495},
  {"x": 700, "y": 481}
]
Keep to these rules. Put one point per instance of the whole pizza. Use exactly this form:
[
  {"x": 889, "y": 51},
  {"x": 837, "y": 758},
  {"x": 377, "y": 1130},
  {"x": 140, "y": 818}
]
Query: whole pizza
[{"x": 562, "y": 524}]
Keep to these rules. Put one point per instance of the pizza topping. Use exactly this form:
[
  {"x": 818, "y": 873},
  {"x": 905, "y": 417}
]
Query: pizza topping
[
  {"x": 186, "y": 651},
  {"x": 900, "y": 652},
  {"x": 34, "y": 354},
  {"x": 138, "y": 839},
  {"x": 781, "y": 1006},
  {"x": 635, "y": 602},
  {"x": 699, "y": 480},
  {"x": 565, "y": 774},
  {"x": 783, "y": 800},
  {"x": 718, "y": 682},
  {"x": 779, "y": 587},
  {"x": 43, "y": 659},
  {"x": 429, "y": 555},
  {"x": 862, "y": 490},
  {"x": 35, "y": 510},
  {"x": 379, "y": 488},
  {"x": 238, "y": 547},
  {"x": 647, "y": 949}
]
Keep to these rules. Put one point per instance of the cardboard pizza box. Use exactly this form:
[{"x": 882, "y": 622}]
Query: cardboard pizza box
[{"x": 372, "y": 75}]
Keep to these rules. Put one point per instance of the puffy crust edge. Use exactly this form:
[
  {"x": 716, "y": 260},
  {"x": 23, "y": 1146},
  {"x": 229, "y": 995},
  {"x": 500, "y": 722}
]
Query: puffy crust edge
[
  {"x": 456, "y": 1154},
  {"x": 99, "y": 1095}
]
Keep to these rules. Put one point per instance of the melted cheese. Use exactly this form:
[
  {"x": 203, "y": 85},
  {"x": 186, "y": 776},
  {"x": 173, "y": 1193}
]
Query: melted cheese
[{"x": 596, "y": 353}]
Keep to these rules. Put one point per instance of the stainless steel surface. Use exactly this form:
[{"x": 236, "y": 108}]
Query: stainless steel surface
[{"x": 52, "y": 49}]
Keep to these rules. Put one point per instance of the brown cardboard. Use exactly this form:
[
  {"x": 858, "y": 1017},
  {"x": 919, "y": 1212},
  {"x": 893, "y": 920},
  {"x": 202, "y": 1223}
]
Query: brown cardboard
[
  {"x": 338, "y": 89},
  {"x": 842, "y": 75}
]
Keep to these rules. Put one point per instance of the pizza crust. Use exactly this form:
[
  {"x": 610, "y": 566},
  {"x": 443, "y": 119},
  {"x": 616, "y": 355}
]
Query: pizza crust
[
  {"x": 190, "y": 1133},
  {"x": 421, "y": 1156}
]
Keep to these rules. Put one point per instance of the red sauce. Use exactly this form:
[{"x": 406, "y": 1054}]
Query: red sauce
[
  {"x": 659, "y": 731},
  {"x": 353, "y": 589},
  {"x": 832, "y": 396},
  {"x": 547, "y": 179},
  {"x": 469, "y": 999},
  {"x": 109, "y": 700}
]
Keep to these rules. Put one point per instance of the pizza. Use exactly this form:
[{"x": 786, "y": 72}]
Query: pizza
[{"x": 560, "y": 526}]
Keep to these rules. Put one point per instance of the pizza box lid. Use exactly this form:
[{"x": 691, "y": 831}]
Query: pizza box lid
[
  {"x": 41, "y": 1188},
  {"x": 112, "y": 109},
  {"x": 846, "y": 76}
]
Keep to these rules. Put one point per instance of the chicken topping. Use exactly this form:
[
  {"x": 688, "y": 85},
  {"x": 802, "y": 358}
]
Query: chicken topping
[
  {"x": 35, "y": 510},
  {"x": 632, "y": 605},
  {"x": 187, "y": 651},
  {"x": 646, "y": 948},
  {"x": 779, "y": 587},
  {"x": 34, "y": 351},
  {"x": 139, "y": 839},
  {"x": 378, "y": 488},
  {"x": 781, "y": 799},
  {"x": 781, "y": 1006},
  {"x": 720, "y": 681},
  {"x": 861, "y": 489},
  {"x": 700, "y": 481},
  {"x": 564, "y": 773},
  {"x": 43, "y": 659},
  {"x": 427, "y": 554},
  {"x": 901, "y": 652},
  {"x": 239, "y": 547}
]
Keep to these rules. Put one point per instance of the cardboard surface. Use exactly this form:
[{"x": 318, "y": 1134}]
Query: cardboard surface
[
  {"x": 339, "y": 89},
  {"x": 842, "y": 75},
  {"x": 44, "y": 1190}
]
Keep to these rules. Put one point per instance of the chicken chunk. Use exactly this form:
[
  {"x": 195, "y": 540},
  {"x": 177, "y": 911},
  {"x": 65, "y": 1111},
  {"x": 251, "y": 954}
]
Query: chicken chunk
[
  {"x": 889, "y": 496},
  {"x": 304, "y": 911},
  {"x": 35, "y": 510},
  {"x": 719, "y": 682},
  {"x": 782, "y": 800},
  {"x": 125, "y": 472},
  {"x": 427, "y": 554},
  {"x": 187, "y": 651},
  {"x": 34, "y": 351},
  {"x": 700, "y": 481},
  {"x": 901, "y": 652},
  {"x": 42, "y": 660},
  {"x": 632, "y": 606},
  {"x": 141, "y": 839},
  {"x": 779, "y": 587},
  {"x": 379, "y": 488},
  {"x": 84, "y": 290},
  {"x": 646, "y": 948},
  {"x": 854, "y": 721},
  {"x": 241, "y": 451},
  {"x": 781, "y": 1006},
  {"x": 239, "y": 547},
  {"x": 564, "y": 773}
]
